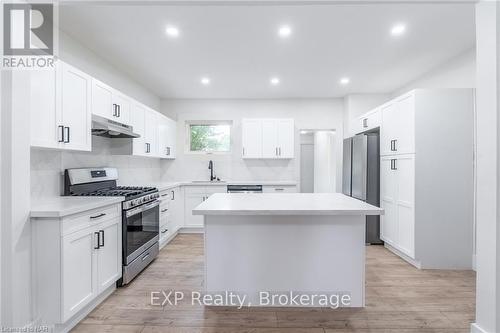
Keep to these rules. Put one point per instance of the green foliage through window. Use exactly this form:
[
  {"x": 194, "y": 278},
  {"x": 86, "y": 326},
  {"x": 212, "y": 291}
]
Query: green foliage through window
[{"x": 210, "y": 138}]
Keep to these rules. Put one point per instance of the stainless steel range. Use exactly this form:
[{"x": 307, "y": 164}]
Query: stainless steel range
[{"x": 140, "y": 214}]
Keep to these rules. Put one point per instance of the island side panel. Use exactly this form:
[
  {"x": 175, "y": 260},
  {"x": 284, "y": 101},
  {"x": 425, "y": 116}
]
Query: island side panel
[{"x": 249, "y": 254}]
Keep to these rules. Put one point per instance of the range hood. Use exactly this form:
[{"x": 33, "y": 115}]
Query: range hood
[{"x": 111, "y": 129}]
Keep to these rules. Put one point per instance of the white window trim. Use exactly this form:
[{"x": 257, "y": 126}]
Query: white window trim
[{"x": 187, "y": 145}]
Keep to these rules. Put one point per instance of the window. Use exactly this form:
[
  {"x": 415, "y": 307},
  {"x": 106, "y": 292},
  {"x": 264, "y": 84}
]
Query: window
[{"x": 209, "y": 136}]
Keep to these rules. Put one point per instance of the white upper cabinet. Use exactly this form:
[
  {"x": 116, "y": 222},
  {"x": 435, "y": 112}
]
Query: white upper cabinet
[
  {"x": 398, "y": 126},
  {"x": 251, "y": 139},
  {"x": 76, "y": 108},
  {"x": 369, "y": 121},
  {"x": 151, "y": 132},
  {"x": 166, "y": 137},
  {"x": 102, "y": 99},
  {"x": 45, "y": 116},
  {"x": 110, "y": 103},
  {"x": 121, "y": 107},
  {"x": 63, "y": 100},
  {"x": 60, "y": 108},
  {"x": 268, "y": 138}
]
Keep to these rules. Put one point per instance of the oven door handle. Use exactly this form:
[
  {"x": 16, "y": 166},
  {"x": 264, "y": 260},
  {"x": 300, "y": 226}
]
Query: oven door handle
[{"x": 143, "y": 208}]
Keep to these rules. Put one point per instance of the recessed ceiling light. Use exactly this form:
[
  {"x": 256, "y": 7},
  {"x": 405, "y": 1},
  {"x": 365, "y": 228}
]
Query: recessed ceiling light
[
  {"x": 284, "y": 31},
  {"x": 172, "y": 31},
  {"x": 345, "y": 80},
  {"x": 275, "y": 81},
  {"x": 205, "y": 81},
  {"x": 398, "y": 29}
]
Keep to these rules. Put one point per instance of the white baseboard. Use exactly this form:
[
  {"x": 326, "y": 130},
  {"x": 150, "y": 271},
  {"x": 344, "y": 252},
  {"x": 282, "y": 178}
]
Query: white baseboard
[
  {"x": 403, "y": 256},
  {"x": 191, "y": 230},
  {"x": 474, "y": 328}
]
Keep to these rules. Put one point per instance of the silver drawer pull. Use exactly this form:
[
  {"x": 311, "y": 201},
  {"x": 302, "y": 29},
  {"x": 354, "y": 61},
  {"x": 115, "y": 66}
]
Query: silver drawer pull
[
  {"x": 98, "y": 216},
  {"x": 145, "y": 257},
  {"x": 279, "y": 189},
  {"x": 164, "y": 210},
  {"x": 164, "y": 195},
  {"x": 164, "y": 231}
]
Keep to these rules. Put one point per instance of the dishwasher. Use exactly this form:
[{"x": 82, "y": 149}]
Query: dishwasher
[{"x": 244, "y": 188}]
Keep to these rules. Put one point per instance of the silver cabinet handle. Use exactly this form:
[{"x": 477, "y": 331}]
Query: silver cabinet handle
[
  {"x": 173, "y": 195},
  {"x": 276, "y": 151},
  {"x": 164, "y": 231},
  {"x": 61, "y": 137},
  {"x": 279, "y": 189},
  {"x": 365, "y": 122},
  {"x": 101, "y": 232},
  {"x": 279, "y": 150},
  {"x": 98, "y": 216},
  {"x": 66, "y": 137},
  {"x": 243, "y": 151},
  {"x": 164, "y": 210},
  {"x": 96, "y": 247}
]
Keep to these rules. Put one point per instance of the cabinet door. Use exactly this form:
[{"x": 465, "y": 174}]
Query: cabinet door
[
  {"x": 102, "y": 99},
  {"x": 286, "y": 138},
  {"x": 109, "y": 268},
  {"x": 78, "y": 287},
  {"x": 163, "y": 149},
  {"x": 76, "y": 108},
  {"x": 122, "y": 105},
  {"x": 389, "y": 131},
  {"x": 388, "y": 198},
  {"x": 251, "y": 139},
  {"x": 191, "y": 201},
  {"x": 171, "y": 138},
  {"x": 137, "y": 120},
  {"x": 46, "y": 126},
  {"x": 405, "y": 139},
  {"x": 405, "y": 166},
  {"x": 151, "y": 132},
  {"x": 269, "y": 138}
]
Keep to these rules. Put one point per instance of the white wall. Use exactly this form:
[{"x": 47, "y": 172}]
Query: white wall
[
  {"x": 74, "y": 53},
  {"x": 488, "y": 229},
  {"x": 308, "y": 114},
  {"x": 458, "y": 72}
]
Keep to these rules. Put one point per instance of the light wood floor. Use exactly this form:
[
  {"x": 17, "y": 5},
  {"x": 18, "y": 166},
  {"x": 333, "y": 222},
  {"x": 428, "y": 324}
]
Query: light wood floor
[{"x": 399, "y": 298}]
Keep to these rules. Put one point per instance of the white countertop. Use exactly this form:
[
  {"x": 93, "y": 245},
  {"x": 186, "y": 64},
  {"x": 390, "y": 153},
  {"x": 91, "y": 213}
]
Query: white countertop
[
  {"x": 168, "y": 185},
  {"x": 284, "y": 204},
  {"x": 63, "y": 206}
]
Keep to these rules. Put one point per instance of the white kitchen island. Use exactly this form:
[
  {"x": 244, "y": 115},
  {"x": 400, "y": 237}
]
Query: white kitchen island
[{"x": 261, "y": 246}]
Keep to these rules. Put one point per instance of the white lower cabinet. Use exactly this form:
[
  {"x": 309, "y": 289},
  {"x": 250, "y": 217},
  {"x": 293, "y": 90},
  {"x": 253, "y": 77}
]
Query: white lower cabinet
[
  {"x": 75, "y": 259},
  {"x": 195, "y": 195},
  {"x": 397, "y": 179}
]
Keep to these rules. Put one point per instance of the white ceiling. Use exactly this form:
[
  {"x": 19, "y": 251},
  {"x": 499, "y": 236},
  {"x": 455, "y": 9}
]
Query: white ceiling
[{"x": 238, "y": 47}]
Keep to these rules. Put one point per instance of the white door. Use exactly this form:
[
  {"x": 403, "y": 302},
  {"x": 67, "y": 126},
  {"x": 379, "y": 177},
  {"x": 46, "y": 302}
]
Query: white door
[
  {"x": 137, "y": 120},
  {"x": 102, "y": 100},
  {"x": 151, "y": 132},
  {"x": 109, "y": 268},
  {"x": 389, "y": 130},
  {"x": 77, "y": 271},
  {"x": 191, "y": 201},
  {"x": 121, "y": 106},
  {"x": 269, "y": 138},
  {"x": 46, "y": 126},
  {"x": 251, "y": 138},
  {"x": 405, "y": 166},
  {"x": 76, "y": 108},
  {"x": 286, "y": 138},
  {"x": 405, "y": 140},
  {"x": 388, "y": 198}
]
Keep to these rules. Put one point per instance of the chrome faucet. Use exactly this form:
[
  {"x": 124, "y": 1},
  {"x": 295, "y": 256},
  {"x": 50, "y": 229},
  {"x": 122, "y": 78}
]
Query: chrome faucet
[{"x": 211, "y": 167}]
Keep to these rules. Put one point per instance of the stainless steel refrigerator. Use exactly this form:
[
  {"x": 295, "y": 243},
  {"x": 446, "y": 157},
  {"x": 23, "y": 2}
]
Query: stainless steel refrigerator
[{"x": 361, "y": 176}]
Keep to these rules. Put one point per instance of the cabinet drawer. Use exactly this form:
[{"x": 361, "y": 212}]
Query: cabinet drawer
[
  {"x": 216, "y": 189},
  {"x": 195, "y": 190},
  {"x": 85, "y": 219},
  {"x": 165, "y": 195},
  {"x": 279, "y": 189}
]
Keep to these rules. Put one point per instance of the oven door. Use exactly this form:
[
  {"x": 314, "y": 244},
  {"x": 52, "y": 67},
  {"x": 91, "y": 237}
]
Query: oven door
[{"x": 141, "y": 227}]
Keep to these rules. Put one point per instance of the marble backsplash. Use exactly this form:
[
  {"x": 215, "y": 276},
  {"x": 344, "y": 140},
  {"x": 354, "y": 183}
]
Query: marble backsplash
[{"x": 47, "y": 167}]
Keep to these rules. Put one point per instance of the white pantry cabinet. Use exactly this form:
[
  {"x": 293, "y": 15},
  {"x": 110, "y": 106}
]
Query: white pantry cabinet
[
  {"x": 60, "y": 108},
  {"x": 110, "y": 103},
  {"x": 76, "y": 258},
  {"x": 426, "y": 177},
  {"x": 268, "y": 138},
  {"x": 398, "y": 126}
]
